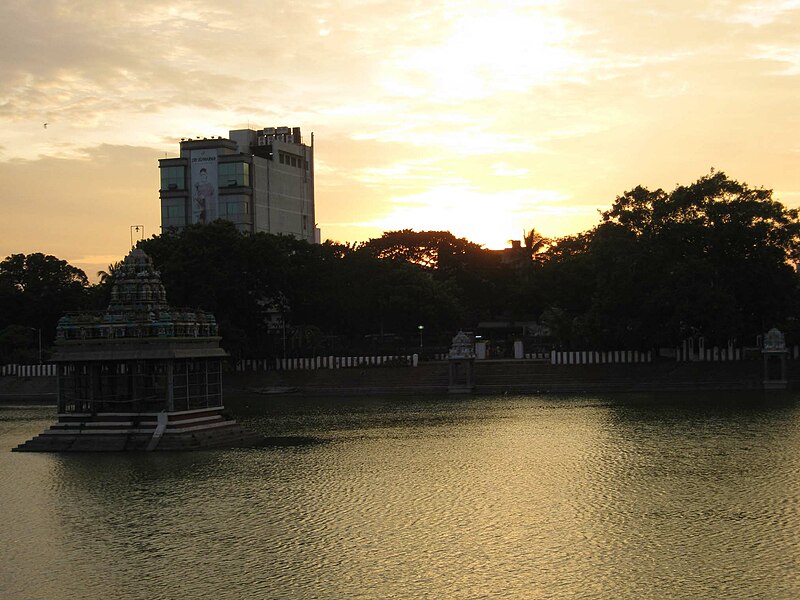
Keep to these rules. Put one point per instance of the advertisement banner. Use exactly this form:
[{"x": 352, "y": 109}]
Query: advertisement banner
[{"x": 204, "y": 186}]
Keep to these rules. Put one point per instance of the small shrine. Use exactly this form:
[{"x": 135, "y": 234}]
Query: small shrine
[
  {"x": 775, "y": 353},
  {"x": 140, "y": 375},
  {"x": 461, "y": 362}
]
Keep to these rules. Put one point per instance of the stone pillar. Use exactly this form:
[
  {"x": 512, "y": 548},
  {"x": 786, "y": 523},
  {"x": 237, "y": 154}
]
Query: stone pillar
[
  {"x": 94, "y": 381},
  {"x": 62, "y": 405},
  {"x": 170, "y": 390}
]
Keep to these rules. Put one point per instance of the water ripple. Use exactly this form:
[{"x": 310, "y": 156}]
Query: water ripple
[{"x": 512, "y": 497}]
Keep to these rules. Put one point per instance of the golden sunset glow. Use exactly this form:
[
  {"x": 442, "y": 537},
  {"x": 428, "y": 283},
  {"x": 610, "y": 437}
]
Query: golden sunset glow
[{"x": 481, "y": 118}]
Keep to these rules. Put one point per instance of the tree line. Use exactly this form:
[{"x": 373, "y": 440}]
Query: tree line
[{"x": 714, "y": 259}]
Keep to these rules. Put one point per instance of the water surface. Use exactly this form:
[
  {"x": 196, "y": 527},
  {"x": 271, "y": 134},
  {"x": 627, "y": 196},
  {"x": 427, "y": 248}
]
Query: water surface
[{"x": 628, "y": 496}]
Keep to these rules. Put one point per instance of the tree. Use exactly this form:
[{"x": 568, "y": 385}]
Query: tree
[
  {"x": 714, "y": 258},
  {"x": 99, "y": 294},
  {"x": 535, "y": 244},
  {"x": 19, "y": 344},
  {"x": 428, "y": 249},
  {"x": 37, "y": 289},
  {"x": 217, "y": 268}
]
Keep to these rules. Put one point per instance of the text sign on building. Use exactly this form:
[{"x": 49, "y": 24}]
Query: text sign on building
[{"x": 205, "y": 193}]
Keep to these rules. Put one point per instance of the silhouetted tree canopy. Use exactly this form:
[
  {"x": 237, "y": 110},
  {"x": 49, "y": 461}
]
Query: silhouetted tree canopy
[
  {"x": 35, "y": 290},
  {"x": 332, "y": 288},
  {"x": 429, "y": 249},
  {"x": 715, "y": 259}
]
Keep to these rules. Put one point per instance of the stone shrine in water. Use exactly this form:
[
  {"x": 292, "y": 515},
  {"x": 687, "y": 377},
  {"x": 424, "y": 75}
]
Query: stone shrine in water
[{"x": 139, "y": 376}]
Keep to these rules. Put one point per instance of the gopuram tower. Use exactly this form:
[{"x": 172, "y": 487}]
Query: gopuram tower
[{"x": 139, "y": 376}]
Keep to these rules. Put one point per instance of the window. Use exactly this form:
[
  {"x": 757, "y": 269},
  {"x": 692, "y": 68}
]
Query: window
[
  {"x": 235, "y": 208},
  {"x": 172, "y": 213},
  {"x": 233, "y": 174},
  {"x": 173, "y": 178},
  {"x": 291, "y": 160}
]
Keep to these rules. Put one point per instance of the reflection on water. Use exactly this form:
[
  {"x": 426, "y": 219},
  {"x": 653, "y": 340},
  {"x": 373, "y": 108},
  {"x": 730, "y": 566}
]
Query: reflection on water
[{"x": 512, "y": 497}]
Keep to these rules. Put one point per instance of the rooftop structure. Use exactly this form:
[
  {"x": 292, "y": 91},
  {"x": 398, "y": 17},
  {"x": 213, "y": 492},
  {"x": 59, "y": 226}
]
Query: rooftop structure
[{"x": 260, "y": 180}]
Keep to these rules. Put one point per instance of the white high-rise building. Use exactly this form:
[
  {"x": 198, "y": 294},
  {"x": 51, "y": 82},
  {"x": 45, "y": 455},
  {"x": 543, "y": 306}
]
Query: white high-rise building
[{"x": 260, "y": 180}]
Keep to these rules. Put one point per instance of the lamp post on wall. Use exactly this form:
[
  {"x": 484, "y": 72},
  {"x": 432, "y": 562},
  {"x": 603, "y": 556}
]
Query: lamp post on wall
[
  {"x": 38, "y": 330},
  {"x": 139, "y": 232}
]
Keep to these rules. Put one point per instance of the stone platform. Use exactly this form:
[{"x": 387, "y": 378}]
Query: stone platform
[{"x": 119, "y": 432}]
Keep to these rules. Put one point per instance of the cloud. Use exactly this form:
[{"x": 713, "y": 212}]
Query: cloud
[
  {"x": 488, "y": 51},
  {"x": 496, "y": 104},
  {"x": 758, "y": 14},
  {"x": 788, "y": 56},
  {"x": 503, "y": 169}
]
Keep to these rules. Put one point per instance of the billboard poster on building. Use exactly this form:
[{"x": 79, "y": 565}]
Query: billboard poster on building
[{"x": 204, "y": 186}]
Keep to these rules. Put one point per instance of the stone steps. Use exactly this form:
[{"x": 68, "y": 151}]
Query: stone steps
[{"x": 216, "y": 431}]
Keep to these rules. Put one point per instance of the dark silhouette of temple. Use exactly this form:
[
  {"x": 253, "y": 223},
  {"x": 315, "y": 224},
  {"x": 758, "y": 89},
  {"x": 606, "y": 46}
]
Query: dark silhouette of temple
[{"x": 139, "y": 376}]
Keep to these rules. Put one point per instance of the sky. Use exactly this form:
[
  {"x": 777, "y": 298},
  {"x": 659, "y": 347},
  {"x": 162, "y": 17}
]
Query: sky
[{"x": 482, "y": 118}]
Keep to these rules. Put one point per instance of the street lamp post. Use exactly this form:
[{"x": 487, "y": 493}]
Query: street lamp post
[
  {"x": 39, "y": 331},
  {"x": 420, "y": 327},
  {"x": 283, "y": 323}
]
